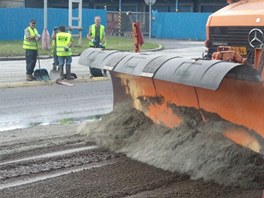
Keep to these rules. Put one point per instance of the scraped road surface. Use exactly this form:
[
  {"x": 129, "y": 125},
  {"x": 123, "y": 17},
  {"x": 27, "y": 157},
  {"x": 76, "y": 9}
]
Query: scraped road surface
[{"x": 54, "y": 161}]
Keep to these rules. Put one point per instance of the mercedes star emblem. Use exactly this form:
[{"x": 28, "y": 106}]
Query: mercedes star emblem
[{"x": 255, "y": 37}]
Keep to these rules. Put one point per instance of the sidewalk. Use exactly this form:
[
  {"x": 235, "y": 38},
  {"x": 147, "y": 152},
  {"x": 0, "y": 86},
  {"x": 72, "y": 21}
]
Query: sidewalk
[{"x": 13, "y": 72}]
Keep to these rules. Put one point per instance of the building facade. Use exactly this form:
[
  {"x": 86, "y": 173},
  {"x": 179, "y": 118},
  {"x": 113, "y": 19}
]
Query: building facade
[
  {"x": 126, "y": 5},
  {"x": 12, "y": 3}
]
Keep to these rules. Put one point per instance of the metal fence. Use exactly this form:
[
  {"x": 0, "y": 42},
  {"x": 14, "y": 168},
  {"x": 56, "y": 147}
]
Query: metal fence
[
  {"x": 185, "y": 26},
  {"x": 164, "y": 25},
  {"x": 13, "y": 29},
  {"x": 120, "y": 23}
]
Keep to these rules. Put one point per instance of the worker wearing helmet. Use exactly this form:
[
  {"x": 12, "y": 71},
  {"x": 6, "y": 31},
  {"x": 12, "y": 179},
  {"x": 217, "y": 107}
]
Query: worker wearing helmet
[
  {"x": 64, "y": 43},
  {"x": 31, "y": 36}
]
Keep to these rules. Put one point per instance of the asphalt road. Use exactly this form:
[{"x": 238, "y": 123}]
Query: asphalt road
[
  {"x": 43, "y": 105},
  {"x": 56, "y": 161}
]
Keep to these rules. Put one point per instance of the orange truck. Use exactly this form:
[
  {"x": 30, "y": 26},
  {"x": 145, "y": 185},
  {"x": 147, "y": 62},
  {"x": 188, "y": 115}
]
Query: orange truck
[
  {"x": 236, "y": 33},
  {"x": 227, "y": 84}
]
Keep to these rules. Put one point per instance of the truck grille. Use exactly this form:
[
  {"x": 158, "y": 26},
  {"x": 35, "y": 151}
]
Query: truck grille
[{"x": 230, "y": 36}]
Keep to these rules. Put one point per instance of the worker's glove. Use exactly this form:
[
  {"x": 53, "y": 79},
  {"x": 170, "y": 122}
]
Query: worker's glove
[
  {"x": 37, "y": 37},
  {"x": 95, "y": 42},
  {"x": 66, "y": 49}
]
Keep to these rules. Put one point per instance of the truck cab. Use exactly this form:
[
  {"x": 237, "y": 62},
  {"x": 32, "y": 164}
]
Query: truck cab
[{"x": 238, "y": 27}]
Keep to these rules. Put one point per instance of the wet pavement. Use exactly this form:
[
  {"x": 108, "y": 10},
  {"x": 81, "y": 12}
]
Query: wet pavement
[{"x": 28, "y": 106}]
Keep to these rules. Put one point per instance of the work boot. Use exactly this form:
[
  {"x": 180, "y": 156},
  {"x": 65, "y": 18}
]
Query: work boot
[
  {"x": 104, "y": 73},
  {"x": 54, "y": 67},
  {"x": 61, "y": 72},
  {"x": 30, "y": 77},
  {"x": 33, "y": 78},
  {"x": 68, "y": 72}
]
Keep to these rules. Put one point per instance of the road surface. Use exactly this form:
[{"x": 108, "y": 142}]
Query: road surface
[
  {"x": 22, "y": 107},
  {"x": 48, "y": 155}
]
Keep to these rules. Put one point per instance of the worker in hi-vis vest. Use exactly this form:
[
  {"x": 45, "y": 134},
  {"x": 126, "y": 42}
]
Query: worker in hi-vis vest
[
  {"x": 96, "y": 38},
  {"x": 96, "y": 34},
  {"x": 31, "y": 37},
  {"x": 55, "y": 63},
  {"x": 64, "y": 52}
]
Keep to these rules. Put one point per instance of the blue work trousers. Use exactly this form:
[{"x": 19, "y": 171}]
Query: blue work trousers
[
  {"x": 63, "y": 59},
  {"x": 31, "y": 59}
]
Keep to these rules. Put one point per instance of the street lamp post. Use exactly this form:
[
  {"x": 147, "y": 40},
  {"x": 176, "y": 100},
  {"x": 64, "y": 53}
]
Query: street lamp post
[
  {"x": 120, "y": 5},
  {"x": 177, "y": 6},
  {"x": 45, "y": 13},
  {"x": 150, "y": 3},
  {"x": 45, "y": 33},
  {"x": 119, "y": 17}
]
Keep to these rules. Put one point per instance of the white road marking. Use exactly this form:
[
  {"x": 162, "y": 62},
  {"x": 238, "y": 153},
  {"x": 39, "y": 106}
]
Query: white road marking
[
  {"x": 49, "y": 155},
  {"x": 49, "y": 176}
]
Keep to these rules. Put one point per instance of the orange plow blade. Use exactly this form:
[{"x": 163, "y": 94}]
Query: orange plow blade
[{"x": 170, "y": 89}]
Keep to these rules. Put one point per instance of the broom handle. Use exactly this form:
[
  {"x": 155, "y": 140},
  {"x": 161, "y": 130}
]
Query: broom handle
[{"x": 38, "y": 54}]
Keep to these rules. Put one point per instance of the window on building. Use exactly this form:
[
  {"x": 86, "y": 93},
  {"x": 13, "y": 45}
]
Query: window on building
[
  {"x": 186, "y": 8},
  {"x": 160, "y": 8},
  {"x": 210, "y": 8}
]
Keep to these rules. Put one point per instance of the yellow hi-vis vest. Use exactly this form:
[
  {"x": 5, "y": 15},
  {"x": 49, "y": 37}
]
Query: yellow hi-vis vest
[
  {"x": 30, "y": 44},
  {"x": 62, "y": 41},
  {"x": 53, "y": 47},
  {"x": 102, "y": 29}
]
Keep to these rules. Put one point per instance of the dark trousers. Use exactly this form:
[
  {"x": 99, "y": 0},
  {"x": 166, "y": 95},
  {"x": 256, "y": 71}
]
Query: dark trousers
[
  {"x": 94, "y": 71},
  {"x": 31, "y": 59}
]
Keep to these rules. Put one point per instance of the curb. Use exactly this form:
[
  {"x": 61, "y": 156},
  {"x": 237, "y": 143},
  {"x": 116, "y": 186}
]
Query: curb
[
  {"x": 18, "y": 58},
  {"x": 49, "y": 82},
  {"x": 160, "y": 47}
]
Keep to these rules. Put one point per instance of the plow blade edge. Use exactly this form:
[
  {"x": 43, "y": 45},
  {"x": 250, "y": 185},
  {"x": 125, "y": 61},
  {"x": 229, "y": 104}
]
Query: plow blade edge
[{"x": 162, "y": 85}]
